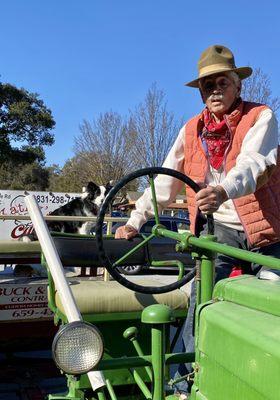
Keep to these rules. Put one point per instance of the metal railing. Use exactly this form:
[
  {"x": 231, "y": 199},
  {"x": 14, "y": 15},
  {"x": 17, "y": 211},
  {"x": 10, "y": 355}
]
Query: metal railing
[{"x": 26, "y": 217}]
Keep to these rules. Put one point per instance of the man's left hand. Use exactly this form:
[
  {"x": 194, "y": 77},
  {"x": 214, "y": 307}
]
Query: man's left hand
[{"x": 210, "y": 198}]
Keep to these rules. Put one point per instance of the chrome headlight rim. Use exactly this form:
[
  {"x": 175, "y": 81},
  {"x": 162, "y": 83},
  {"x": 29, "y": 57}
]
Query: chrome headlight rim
[{"x": 69, "y": 326}]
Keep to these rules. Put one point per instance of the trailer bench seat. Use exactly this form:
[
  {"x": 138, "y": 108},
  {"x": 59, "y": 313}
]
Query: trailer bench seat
[{"x": 99, "y": 297}]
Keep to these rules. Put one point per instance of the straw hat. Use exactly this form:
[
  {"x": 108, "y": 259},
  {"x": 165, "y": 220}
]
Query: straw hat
[{"x": 216, "y": 59}]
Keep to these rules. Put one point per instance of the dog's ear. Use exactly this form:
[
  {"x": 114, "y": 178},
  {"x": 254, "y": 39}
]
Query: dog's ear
[{"x": 91, "y": 187}]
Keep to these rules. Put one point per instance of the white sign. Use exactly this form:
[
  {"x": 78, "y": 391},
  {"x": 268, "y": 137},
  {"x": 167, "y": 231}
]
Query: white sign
[
  {"x": 24, "y": 299},
  {"x": 12, "y": 203}
]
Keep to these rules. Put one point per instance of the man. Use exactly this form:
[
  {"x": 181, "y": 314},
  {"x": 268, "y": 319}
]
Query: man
[{"x": 230, "y": 149}]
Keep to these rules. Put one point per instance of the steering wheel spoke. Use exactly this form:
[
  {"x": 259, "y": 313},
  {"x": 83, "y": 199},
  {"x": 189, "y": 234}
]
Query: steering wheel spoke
[
  {"x": 134, "y": 250},
  {"x": 154, "y": 197}
]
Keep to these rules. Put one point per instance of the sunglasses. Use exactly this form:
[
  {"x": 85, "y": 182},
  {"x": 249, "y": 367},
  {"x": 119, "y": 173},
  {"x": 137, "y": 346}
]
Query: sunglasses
[{"x": 221, "y": 83}]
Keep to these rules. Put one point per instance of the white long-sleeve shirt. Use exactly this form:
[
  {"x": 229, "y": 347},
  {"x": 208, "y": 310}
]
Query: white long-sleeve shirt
[{"x": 258, "y": 151}]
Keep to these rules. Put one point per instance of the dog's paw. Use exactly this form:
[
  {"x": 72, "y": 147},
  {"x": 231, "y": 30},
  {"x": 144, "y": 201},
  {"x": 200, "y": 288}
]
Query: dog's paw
[{"x": 26, "y": 239}]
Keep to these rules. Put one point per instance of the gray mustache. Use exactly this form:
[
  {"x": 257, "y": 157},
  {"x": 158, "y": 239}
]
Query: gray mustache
[{"x": 216, "y": 97}]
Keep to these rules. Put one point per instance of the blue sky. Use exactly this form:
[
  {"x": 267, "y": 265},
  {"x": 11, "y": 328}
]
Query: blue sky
[{"x": 90, "y": 56}]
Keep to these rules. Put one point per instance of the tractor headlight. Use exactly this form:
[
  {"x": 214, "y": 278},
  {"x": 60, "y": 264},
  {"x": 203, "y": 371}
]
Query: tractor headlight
[{"x": 77, "y": 348}]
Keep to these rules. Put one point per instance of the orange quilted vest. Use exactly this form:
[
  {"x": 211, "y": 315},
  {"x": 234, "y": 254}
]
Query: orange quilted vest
[{"x": 259, "y": 212}]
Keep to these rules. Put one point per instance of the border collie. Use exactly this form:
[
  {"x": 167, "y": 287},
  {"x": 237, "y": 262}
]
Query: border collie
[{"x": 85, "y": 206}]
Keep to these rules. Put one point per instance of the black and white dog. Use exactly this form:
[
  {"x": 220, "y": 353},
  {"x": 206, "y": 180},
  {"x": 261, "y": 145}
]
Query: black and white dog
[{"x": 85, "y": 206}]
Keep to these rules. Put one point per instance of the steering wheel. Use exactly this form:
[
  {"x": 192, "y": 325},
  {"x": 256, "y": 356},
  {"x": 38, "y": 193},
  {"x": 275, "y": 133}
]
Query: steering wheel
[{"x": 113, "y": 267}]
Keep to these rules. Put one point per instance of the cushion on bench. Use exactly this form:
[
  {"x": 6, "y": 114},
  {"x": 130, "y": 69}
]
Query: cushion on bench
[{"x": 111, "y": 297}]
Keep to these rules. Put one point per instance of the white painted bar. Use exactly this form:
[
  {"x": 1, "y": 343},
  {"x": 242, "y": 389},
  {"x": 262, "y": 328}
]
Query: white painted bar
[
  {"x": 61, "y": 218},
  {"x": 67, "y": 299},
  {"x": 72, "y": 312}
]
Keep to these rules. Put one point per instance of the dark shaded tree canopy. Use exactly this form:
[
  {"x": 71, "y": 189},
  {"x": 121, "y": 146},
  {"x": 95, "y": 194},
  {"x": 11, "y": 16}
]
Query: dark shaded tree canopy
[
  {"x": 29, "y": 176},
  {"x": 25, "y": 124}
]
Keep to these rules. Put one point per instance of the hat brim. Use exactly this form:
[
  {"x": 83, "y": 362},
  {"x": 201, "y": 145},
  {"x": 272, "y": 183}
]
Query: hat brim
[{"x": 242, "y": 72}]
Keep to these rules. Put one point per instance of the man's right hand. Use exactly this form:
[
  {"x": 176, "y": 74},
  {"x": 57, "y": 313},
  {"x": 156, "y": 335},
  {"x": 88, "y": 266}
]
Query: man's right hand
[{"x": 125, "y": 232}]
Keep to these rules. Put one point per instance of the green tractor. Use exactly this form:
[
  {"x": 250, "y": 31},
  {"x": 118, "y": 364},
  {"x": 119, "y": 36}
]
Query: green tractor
[{"x": 115, "y": 339}]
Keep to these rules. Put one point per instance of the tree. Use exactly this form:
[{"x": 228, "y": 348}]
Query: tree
[
  {"x": 71, "y": 178},
  {"x": 154, "y": 128},
  {"x": 31, "y": 176},
  {"x": 24, "y": 120},
  {"x": 257, "y": 88},
  {"x": 104, "y": 148},
  {"x": 112, "y": 146}
]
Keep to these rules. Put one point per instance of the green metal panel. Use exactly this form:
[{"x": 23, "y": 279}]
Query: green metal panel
[
  {"x": 259, "y": 294},
  {"x": 221, "y": 389},
  {"x": 117, "y": 346},
  {"x": 238, "y": 353}
]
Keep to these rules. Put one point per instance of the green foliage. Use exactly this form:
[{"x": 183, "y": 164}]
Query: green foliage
[
  {"x": 68, "y": 179},
  {"x": 30, "y": 176},
  {"x": 24, "y": 120}
]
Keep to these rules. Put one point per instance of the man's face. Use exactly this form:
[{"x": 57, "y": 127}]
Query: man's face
[{"x": 218, "y": 93}]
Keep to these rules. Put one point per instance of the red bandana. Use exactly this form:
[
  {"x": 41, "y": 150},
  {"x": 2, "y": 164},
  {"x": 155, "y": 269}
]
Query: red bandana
[{"x": 217, "y": 137}]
